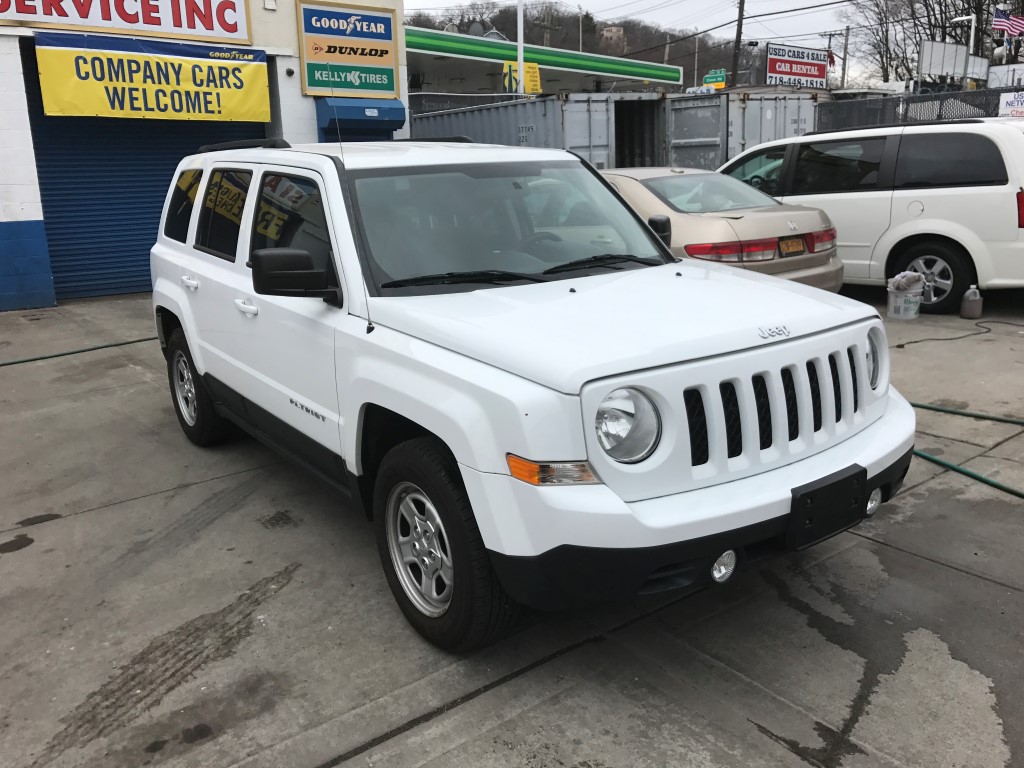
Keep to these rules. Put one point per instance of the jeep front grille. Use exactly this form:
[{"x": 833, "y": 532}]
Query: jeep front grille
[{"x": 747, "y": 409}]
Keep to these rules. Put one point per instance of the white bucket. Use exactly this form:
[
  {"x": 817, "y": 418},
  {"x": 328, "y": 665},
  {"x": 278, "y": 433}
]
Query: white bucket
[{"x": 904, "y": 305}]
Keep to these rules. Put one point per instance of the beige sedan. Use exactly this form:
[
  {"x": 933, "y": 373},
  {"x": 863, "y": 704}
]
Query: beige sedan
[{"x": 717, "y": 218}]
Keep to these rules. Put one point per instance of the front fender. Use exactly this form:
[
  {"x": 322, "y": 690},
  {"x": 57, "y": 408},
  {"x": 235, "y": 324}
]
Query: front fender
[
  {"x": 965, "y": 236},
  {"x": 480, "y": 412}
]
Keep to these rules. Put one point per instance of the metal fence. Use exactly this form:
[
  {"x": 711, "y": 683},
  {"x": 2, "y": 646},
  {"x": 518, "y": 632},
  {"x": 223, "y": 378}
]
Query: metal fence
[
  {"x": 907, "y": 108},
  {"x": 423, "y": 103}
]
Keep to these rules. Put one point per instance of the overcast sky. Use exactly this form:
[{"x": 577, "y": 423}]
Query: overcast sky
[{"x": 798, "y": 28}]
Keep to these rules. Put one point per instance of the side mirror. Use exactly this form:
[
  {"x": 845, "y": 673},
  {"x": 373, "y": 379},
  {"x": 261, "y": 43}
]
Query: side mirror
[
  {"x": 662, "y": 227},
  {"x": 288, "y": 272}
]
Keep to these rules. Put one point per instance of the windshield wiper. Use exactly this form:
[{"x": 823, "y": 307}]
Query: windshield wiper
[
  {"x": 452, "y": 278},
  {"x": 601, "y": 260}
]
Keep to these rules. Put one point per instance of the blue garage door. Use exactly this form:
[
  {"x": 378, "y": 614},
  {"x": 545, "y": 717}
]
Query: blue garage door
[{"x": 103, "y": 183}]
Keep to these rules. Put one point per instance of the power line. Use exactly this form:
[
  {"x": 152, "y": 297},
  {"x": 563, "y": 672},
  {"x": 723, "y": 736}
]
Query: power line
[{"x": 733, "y": 21}]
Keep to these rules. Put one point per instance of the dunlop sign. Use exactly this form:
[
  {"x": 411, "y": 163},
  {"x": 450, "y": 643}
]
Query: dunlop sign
[
  {"x": 209, "y": 20},
  {"x": 93, "y": 75},
  {"x": 348, "y": 51}
]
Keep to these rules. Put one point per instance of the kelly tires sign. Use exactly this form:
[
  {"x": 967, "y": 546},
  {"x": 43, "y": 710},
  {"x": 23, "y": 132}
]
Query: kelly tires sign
[
  {"x": 348, "y": 51},
  {"x": 211, "y": 20},
  {"x": 805, "y": 67},
  {"x": 97, "y": 76}
]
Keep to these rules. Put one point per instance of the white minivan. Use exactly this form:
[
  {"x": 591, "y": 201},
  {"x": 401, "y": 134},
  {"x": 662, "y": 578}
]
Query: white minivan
[{"x": 944, "y": 199}]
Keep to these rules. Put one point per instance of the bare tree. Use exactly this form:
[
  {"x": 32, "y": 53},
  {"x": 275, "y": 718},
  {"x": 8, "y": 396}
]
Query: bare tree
[{"x": 888, "y": 33}]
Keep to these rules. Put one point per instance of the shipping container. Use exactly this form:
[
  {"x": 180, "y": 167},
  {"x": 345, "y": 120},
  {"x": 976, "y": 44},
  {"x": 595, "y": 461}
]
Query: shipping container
[
  {"x": 622, "y": 130},
  {"x": 611, "y": 130}
]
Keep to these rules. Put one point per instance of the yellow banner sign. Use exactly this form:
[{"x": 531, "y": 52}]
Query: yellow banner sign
[
  {"x": 510, "y": 76},
  {"x": 91, "y": 75}
]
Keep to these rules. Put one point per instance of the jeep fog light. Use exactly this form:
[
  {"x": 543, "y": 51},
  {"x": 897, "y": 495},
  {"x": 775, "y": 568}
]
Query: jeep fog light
[
  {"x": 628, "y": 425},
  {"x": 724, "y": 567},
  {"x": 560, "y": 473},
  {"x": 874, "y": 501}
]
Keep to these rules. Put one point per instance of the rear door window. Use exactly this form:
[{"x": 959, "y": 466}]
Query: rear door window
[
  {"x": 183, "y": 200},
  {"x": 220, "y": 219},
  {"x": 837, "y": 166},
  {"x": 948, "y": 160}
]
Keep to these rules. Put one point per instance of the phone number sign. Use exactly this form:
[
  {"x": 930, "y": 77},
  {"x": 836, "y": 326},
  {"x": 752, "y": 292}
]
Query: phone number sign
[{"x": 805, "y": 67}]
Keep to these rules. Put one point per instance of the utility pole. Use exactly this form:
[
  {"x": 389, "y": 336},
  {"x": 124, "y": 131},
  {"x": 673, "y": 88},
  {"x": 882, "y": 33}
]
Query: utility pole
[
  {"x": 736, "y": 46},
  {"x": 668, "y": 45},
  {"x": 846, "y": 52},
  {"x": 829, "y": 49},
  {"x": 547, "y": 26},
  {"x": 580, "y": 7},
  {"x": 696, "y": 50}
]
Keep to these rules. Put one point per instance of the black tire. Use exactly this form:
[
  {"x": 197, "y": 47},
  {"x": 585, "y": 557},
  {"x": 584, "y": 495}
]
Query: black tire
[
  {"x": 206, "y": 427},
  {"x": 478, "y": 611},
  {"x": 958, "y": 267}
]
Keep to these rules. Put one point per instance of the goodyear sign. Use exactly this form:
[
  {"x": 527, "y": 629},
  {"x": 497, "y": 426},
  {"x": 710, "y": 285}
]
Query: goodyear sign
[
  {"x": 93, "y": 75},
  {"x": 348, "y": 51}
]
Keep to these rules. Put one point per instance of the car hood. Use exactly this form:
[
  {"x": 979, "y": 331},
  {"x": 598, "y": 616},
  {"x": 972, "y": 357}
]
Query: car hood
[{"x": 565, "y": 333}]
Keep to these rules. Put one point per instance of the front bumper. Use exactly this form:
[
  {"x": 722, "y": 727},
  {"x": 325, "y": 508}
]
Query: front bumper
[
  {"x": 553, "y": 545},
  {"x": 569, "y": 574}
]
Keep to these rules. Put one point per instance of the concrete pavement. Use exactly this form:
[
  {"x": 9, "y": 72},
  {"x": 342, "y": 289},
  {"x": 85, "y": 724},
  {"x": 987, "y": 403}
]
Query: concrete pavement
[{"x": 173, "y": 606}]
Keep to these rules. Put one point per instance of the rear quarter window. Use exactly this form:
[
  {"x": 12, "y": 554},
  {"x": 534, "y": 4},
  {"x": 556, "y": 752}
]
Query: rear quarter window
[
  {"x": 948, "y": 160},
  {"x": 183, "y": 201}
]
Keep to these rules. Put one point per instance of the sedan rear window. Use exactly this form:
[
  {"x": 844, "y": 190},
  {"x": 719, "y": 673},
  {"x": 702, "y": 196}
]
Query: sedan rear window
[
  {"x": 706, "y": 193},
  {"x": 948, "y": 160}
]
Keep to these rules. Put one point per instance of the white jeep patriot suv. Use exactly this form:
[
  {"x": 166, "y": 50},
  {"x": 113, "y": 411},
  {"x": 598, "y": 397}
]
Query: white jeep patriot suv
[{"x": 530, "y": 397}]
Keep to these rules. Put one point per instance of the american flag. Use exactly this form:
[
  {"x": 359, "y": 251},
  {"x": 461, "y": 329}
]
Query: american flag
[{"x": 1013, "y": 26}]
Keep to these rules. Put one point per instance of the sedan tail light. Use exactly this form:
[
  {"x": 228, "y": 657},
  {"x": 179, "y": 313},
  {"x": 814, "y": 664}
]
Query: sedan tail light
[
  {"x": 825, "y": 239},
  {"x": 738, "y": 251}
]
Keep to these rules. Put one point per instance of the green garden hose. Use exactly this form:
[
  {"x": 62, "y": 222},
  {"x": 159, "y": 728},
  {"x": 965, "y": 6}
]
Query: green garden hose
[
  {"x": 963, "y": 470},
  {"x": 75, "y": 351},
  {"x": 972, "y": 414}
]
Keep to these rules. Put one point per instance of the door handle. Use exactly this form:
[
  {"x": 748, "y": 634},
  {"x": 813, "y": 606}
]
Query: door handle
[
  {"x": 246, "y": 307},
  {"x": 189, "y": 282}
]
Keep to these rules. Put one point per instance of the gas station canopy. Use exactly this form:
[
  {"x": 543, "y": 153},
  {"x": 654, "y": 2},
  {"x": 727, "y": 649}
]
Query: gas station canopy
[{"x": 452, "y": 62}]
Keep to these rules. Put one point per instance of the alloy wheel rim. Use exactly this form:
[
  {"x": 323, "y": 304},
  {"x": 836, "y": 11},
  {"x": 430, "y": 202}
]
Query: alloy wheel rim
[
  {"x": 184, "y": 388},
  {"x": 938, "y": 277},
  {"x": 418, "y": 545}
]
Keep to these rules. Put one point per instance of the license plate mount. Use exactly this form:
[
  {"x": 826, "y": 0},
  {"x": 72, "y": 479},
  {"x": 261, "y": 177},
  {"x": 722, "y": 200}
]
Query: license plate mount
[
  {"x": 792, "y": 246},
  {"x": 826, "y": 507}
]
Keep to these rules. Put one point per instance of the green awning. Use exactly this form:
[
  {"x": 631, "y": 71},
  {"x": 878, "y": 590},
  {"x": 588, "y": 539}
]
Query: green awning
[{"x": 485, "y": 49}]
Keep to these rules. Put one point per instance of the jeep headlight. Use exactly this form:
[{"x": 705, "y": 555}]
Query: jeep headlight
[
  {"x": 876, "y": 345},
  {"x": 628, "y": 425}
]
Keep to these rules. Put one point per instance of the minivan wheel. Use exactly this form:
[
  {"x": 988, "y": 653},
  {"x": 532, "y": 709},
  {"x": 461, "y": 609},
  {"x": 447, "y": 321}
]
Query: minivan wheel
[
  {"x": 431, "y": 549},
  {"x": 947, "y": 270},
  {"x": 193, "y": 406}
]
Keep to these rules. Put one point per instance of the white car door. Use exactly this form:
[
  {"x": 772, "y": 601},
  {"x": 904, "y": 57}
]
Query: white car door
[
  {"x": 284, "y": 345},
  {"x": 209, "y": 270},
  {"x": 847, "y": 179}
]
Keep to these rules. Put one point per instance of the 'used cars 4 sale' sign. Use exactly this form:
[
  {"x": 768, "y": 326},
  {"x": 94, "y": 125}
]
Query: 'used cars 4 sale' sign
[{"x": 787, "y": 65}]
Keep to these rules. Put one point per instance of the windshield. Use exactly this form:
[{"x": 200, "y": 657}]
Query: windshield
[
  {"x": 706, "y": 193},
  {"x": 482, "y": 225}
]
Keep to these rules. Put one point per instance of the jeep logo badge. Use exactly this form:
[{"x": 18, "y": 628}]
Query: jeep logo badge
[{"x": 772, "y": 332}]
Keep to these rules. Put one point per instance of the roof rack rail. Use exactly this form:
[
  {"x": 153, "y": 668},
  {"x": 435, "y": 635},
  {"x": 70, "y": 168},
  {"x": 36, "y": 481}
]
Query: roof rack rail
[
  {"x": 452, "y": 139},
  {"x": 246, "y": 144},
  {"x": 909, "y": 124}
]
